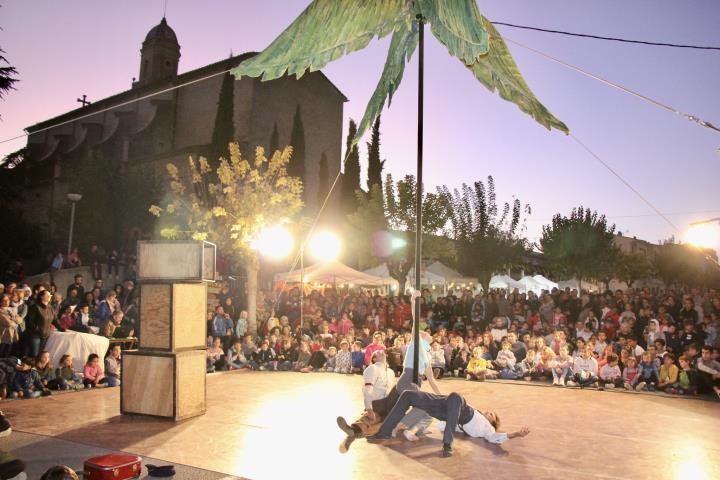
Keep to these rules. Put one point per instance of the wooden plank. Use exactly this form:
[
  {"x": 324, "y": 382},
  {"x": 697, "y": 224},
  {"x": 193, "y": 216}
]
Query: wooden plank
[
  {"x": 186, "y": 261},
  {"x": 190, "y": 382},
  {"x": 155, "y": 308},
  {"x": 147, "y": 386},
  {"x": 189, "y": 322}
]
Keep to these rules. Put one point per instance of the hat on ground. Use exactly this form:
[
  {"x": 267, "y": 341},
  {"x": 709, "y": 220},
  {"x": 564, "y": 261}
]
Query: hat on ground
[{"x": 160, "y": 471}]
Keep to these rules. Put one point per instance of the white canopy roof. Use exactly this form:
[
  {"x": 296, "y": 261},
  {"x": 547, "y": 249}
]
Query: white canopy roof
[
  {"x": 426, "y": 277},
  {"x": 450, "y": 275},
  {"x": 505, "y": 282},
  {"x": 331, "y": 272},
  {"x": 548, "y": 284},
  {"x": 529, "y": 284}
]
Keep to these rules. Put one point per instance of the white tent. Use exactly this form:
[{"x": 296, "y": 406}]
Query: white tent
[
  {"x": 529, "y": 284},
  {"x": 332, "y": 272},
  {"x": 547, "y": 284},
  {"x": 450, "y": 275},
  {"x": 426, "y": 276},
  {"x": 505, "y": 282}
]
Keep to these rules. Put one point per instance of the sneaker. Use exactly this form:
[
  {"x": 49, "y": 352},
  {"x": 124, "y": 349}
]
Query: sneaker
[
  {"x": 599, "y": 387},
  {"x": 609, "y": 385},
  {"x": 527, "y": 379},
  {"x": 561, "y": 382},
  {"x": 627, "y": 386},
  {"x": 261, "y": 368},
  {"x": 447, "y": 450},
  {"x": 556, "y": 381},
  {"x": 410, "y": 436},
  {"x": 639, "y": 387},
  {"x": 674, "y": 391},
  {"x": 468, "y": 377},
  {"x": 570, "y": 383},
  {"x": 342, "y": 423}
]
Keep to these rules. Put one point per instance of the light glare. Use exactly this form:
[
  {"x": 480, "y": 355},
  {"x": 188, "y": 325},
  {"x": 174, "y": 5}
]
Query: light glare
[
  {"x": 325, "y": 246},
  {"x": 705, "y": 235},
  {"x": 274, "y": 242}
]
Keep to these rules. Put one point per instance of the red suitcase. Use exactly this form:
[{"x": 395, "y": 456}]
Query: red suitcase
[{"x": 114, "y": 466}]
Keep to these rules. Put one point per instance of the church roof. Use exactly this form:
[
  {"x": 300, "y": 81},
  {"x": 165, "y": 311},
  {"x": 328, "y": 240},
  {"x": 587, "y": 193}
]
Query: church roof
[{"x": 161, "y": 32}]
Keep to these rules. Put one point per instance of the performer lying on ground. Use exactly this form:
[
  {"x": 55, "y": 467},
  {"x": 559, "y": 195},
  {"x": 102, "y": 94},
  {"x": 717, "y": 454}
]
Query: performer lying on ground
[
  {"x": 455, "y": 415},
  {"x": 380, "y": 396}
]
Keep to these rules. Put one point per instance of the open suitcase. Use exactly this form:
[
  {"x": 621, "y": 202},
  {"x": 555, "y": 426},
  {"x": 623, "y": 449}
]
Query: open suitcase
[{"x": 114, "y": 466}]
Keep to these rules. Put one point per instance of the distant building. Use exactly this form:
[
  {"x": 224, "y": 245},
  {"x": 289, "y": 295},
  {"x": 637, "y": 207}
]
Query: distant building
[{"x": 169, "y": 126}]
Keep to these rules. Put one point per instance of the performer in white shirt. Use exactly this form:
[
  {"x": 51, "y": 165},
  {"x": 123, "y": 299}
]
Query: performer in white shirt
[
  {"x": 378, "y": 381},
  {"x": 455, "y": 415}
]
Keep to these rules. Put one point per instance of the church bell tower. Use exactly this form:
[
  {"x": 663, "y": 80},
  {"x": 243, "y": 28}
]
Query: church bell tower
[{"x": 159, "y": 55}]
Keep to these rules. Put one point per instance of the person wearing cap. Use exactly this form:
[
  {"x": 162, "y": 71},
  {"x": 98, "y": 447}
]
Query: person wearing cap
[{"x": 455, "y": 415}]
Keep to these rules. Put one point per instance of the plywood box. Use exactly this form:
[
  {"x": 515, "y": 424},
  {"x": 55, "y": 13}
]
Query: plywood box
[
  {"x": 173, "y": 316},
  {"x": 169, "y": 385},
  {"x": 181, "y": 261}
]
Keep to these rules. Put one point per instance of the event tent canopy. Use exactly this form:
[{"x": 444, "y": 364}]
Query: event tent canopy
[
  {"x": 505, "y": 282},
  {"x": 450, "y": 275},
  {"x": 548, "y": 284},
  {"x": 426, "y": 277},
  {"x": 529, "y": 284},
  {"x": 331, "y": 272}
]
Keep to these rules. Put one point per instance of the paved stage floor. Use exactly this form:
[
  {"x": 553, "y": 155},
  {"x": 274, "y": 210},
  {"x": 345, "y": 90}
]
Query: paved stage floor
[{"x": 268, "y": 425}]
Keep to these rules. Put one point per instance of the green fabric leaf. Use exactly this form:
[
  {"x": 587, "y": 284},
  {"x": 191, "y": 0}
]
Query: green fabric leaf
[
  {"x": 457, "y": 25},
  {"x": 402, "y": 46},
  {"x": 325, "y": 31},
  {"x": 499, "y": 73}
]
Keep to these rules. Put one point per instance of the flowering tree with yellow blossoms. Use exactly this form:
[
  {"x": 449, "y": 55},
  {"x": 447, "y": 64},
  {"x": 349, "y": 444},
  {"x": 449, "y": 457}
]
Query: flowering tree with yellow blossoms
[{"x": 231, "y": 206}]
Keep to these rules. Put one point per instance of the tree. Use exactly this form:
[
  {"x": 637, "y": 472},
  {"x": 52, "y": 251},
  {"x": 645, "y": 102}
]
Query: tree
[
  {"x": 579, "y": 246},
  {"x": 685, "y": 265},
  {"x": 323, "y": 179},
  {"x": 224, "y": 128},
  {"x": 245, "y": 198},
  {"x": 488, "y": 240},
  {"x": 7, "y": 76},
  {"x": 378, "y": 220},
  {"x": 630, "y": 267},
  {"x": 351, "y": 172},
  {"x": 296, "y": 167},
  {"x": 274, "y": 140},
  {"x": 375, "y": 166},
  {"x": 25, "y": 239}
]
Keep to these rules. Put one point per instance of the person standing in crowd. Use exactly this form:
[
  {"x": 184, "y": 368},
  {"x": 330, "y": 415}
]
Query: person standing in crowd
[
  {"x": 222, "y": 326},
  {"x": 38, "y": 324}
]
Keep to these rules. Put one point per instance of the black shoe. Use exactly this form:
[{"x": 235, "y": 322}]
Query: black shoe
[
  {"x": 447, "y": 450},
  {"x": 342, "y": 423},
  {"x": 377, "y": 438},
  {"x": 160, "y": 471}
]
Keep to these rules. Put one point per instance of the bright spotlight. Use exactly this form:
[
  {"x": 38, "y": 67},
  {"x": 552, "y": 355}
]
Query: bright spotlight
[
  {"x": 274, "y": 242},
  {"x": 397, "y": 243},
  {"x": 325, "y": 246},
  {"x": 704, "y": 235}
]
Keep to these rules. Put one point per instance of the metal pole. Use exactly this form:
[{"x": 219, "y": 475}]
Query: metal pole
[
  {"x": 418, "y": 199},
  {"x": 302, "y": 285},
  {"x": 72, "y": 224}
]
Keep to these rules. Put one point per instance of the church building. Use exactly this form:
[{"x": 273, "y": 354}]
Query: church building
[{"x": 153, "y": 123}]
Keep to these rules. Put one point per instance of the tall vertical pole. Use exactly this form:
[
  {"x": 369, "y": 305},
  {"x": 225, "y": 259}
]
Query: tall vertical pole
[
  {"x": 72, "y": 225},
  {"x": 302, "y": 287},
  {"x": 418, "y": 199}
]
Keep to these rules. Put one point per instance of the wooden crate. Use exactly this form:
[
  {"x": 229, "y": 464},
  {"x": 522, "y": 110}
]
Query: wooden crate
[
  {"x": 181, "y": 261},
  {"x": 168, "y": 385},
  {"x": 173, "y": 316}
]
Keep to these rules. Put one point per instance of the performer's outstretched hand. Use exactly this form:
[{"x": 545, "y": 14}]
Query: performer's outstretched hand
[{"x": 520, "y": 433}]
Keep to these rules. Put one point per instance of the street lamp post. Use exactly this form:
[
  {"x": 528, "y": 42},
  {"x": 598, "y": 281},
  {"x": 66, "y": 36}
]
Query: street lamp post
[{"x": 74, "y": 198}]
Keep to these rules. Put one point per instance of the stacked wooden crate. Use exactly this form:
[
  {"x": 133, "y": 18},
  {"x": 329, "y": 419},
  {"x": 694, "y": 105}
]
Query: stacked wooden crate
[{"x": 165, "y": 377}]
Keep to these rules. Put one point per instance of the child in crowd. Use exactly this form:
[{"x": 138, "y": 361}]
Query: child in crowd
[
  {"x": 93, "y": 374},
  {"x": 584, "y": 370},
  {"x": 687, "y": 383},
  {"x": 330, "y": 360},
  {"x": 546, "y": 360},
  {"x": 562, "y": 367},
  {"x": 478, "y": 368},
  {"x": 647, "y": 374},
  {"x": 437, "y": 360},
  {"x": 343, "y": 361},
  {"x": 113, "y": 364},
  {"x": 287, "y": 355},
  {"x": 235, "y": 358},
  {"x": 395, "y": 355},
  {"x": 505, "y": 358},
  {"x": 668, "y": 372},
  {"x": 303, "y": 361},
  {"x": 265, "y": 358},
  {"x": 45, "y": 370},
  {"x": 26, "y": 383},
  {"x": 358, "y": 357},
  {"x": 528, "y": 367},
  {"x": 65, "y": 375},
  {"x": 215, "y": 356},
  {"x": 630, "y": 373},
  {"x": 460, "y": 364},
  {"x": 610, "y": 374}
]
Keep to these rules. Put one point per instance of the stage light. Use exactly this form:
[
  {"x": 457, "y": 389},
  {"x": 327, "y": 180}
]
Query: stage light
[
  {"x": 274, "y": 242},
  {"x": 325, "y": 246},
  {"x": 703, "y": 235},
  {"x": 397, "y": 243}
]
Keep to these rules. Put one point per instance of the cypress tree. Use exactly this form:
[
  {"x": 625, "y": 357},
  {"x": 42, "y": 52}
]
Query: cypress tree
[
  {"x": 375, "y": 166},
  {"x": 224, "y": 129},
  {"x": 296, "y": 167},
  {"x": 323, "y": 179},
  {"x": 351, "y": 173},
  {"x": 274, "y": 141}
]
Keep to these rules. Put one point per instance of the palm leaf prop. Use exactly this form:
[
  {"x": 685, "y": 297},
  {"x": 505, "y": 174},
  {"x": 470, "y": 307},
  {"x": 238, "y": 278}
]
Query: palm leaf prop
[{"x": 328, "y": 29}]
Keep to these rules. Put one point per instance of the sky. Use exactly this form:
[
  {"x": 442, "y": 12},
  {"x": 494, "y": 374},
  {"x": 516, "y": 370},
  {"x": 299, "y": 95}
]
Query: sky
[{"x": 63, "y": 50}]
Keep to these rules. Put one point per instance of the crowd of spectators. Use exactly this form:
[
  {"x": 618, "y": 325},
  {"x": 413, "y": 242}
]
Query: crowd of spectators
[{"x": 639, "y": 339}]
